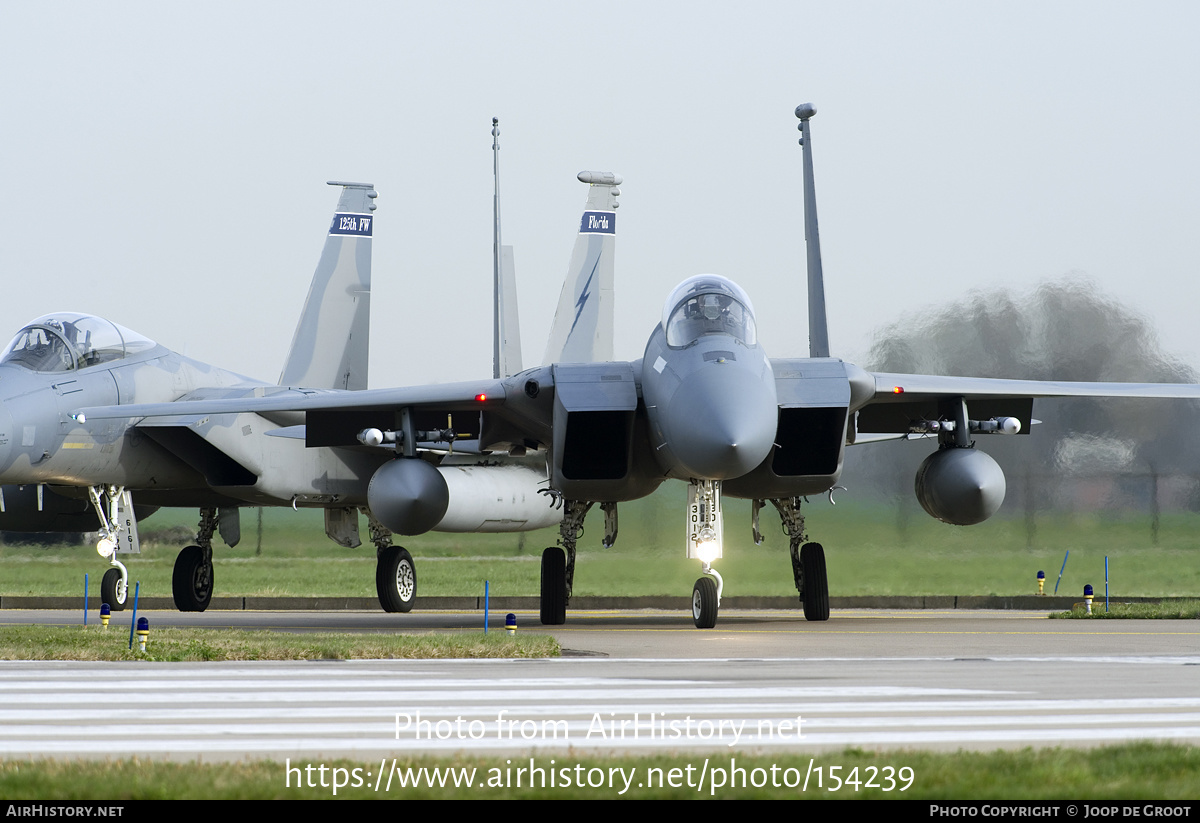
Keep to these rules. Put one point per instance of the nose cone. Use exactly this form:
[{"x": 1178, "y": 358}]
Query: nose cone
[{"x": 721, "y": 422}]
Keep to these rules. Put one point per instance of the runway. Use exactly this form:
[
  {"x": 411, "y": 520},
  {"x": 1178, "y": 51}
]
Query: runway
[{"x": 639, "y": 682}]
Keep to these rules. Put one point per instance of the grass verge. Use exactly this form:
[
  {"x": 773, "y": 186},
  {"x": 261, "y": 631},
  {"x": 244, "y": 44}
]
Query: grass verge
[
  {"x": 1185, "y": 610},
  {"x": 94, "y": 642},
  {"x": 870, "y": 550},
  {"x": 1137, "y": 771}
]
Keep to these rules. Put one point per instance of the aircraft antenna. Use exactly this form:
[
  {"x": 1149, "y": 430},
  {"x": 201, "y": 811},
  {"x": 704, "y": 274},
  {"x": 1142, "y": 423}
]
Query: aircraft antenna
[
  {"x": 496, "y": 288},
  {"x": 818, "y": 328}
]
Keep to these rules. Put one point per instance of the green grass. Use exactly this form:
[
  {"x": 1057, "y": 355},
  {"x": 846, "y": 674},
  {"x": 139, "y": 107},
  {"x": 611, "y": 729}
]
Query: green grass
[
  {"x": 1138, "y": 771},
  {"x": 1186, "y": 610},
  {"x": 871, "y": 550},
  {"x": 95, "y": 642}
]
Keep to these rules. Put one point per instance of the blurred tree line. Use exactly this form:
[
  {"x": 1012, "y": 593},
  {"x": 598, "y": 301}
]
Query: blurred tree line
[{"x": 1086, "y": 453}]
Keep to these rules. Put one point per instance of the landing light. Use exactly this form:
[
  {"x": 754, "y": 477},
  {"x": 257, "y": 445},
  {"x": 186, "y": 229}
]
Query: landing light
[
  {"x": 707, "y": 549},
  {"x": 106, "y": 546}
]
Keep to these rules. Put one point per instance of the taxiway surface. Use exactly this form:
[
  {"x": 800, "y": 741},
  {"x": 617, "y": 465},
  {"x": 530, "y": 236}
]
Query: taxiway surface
[{"x": 639, "y": 681}]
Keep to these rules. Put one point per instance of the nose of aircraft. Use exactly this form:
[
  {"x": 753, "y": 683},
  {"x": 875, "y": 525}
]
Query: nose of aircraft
[
  {"x": 6, "y": 434},
  {"x": 721, "y": 422}
]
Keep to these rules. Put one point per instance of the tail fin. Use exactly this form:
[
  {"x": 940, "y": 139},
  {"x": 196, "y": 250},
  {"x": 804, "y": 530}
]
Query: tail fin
[
  {"x": 331, "y": 344},
  {"x": 506, "y": 350},
  {"x": 583, "y": 322},
  {"x": 509, "y": 330},
  {"x": 818, "y": 328}
]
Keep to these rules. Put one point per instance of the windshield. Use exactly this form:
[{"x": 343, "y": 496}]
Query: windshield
[
  {"x": 709, "y": 305},
  {"x": 68, "y": 341}
]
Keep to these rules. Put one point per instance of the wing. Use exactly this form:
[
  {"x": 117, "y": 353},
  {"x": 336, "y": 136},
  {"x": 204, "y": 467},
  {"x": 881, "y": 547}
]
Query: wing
[
  {"x": 488, "y": 413},
  {"x": 899, "y": 403}
]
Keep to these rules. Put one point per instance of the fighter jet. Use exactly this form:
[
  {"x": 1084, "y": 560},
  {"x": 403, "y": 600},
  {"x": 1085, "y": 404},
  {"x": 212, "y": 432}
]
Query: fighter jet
[
  {"x": 705, "y": 405},
  {"x": 65, "y": 472}
]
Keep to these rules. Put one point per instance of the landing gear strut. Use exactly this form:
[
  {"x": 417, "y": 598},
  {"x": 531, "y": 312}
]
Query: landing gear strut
[
  {"x": 192, "y": 579},
  {"x": 808, "y": 561}
]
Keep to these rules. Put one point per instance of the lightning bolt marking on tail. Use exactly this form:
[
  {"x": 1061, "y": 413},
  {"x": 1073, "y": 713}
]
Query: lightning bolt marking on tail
[{"x": 583, "y": 295}]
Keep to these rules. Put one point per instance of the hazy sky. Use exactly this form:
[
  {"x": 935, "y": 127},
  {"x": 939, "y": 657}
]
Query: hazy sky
[{"x": 164, "y": 164}]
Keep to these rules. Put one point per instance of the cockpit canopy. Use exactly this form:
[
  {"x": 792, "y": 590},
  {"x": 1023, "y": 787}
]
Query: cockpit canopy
[
  {"x": 708, "y": 304},
  {"x": 67, "y": 341}
]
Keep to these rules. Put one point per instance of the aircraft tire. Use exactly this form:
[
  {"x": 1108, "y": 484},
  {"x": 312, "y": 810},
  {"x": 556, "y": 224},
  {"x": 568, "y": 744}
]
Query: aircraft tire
[
  {"x": 192, "y": 580},
  {"x": 704, "y": 603},
  {"x": 816, "y": 582},
  {"x": 554, "y": 587},
  {"x": 113, "y": 590},
  {"x": 396, "y": 579}
]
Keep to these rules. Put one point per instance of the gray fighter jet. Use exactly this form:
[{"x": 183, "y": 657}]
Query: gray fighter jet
[
  {"x": 705, "y": 405},
  {"x": 65, "y": 472}
]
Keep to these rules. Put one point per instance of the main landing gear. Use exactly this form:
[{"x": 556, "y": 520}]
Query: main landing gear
[
  {"x": 192, "y": 578},
  {"x": 558, "y": 565},
  {"x": 395, "y": 571},
  {"x": 808, "y": 560}
]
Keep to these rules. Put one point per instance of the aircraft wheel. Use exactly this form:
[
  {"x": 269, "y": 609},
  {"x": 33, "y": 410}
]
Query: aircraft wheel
[
  {"x": 113, "y": 590},
  {"x": 704, "y": 603},
  {"x": 192, "y": 580},
  {"x": 396, "y": 579},
  {"x": 554, "y": 587},
  {"x": 816, "y": 582}
]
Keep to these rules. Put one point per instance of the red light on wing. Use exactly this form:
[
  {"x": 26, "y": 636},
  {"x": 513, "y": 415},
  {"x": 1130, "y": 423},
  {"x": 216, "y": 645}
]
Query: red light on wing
[
  {"x": 897, "y": 390},
  {"x": 481, "y": 397}
]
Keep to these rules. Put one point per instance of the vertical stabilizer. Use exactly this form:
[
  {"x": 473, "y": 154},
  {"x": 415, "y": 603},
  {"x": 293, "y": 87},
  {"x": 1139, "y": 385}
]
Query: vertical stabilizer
[
  {"x": 818, "y": 328},
  {"x": 331, "y": 344},
  {"x": 583, "y": 323},
  {"x": 510, "y": 326},
  {"x": 506, "y": 331}
]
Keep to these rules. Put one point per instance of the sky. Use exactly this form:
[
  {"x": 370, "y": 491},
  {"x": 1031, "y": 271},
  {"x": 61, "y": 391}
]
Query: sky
[{"x": 164, "y": 164}]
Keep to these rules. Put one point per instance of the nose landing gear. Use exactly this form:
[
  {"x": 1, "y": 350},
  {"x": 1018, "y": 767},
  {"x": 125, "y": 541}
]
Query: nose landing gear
[{"x": 704, "y": 535}]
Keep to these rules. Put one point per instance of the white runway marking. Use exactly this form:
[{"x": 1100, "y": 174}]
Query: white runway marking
[{"x": 372, "y": 707}]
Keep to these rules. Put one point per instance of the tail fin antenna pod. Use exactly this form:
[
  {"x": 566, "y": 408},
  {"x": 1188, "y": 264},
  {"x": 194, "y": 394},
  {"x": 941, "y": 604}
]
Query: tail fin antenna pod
[
  {"x": 583, "y": 323},
  {"x": 818, "y": 328},
  {"x": 506, "y": 329},
  {"x": 331, "y": 344}
]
